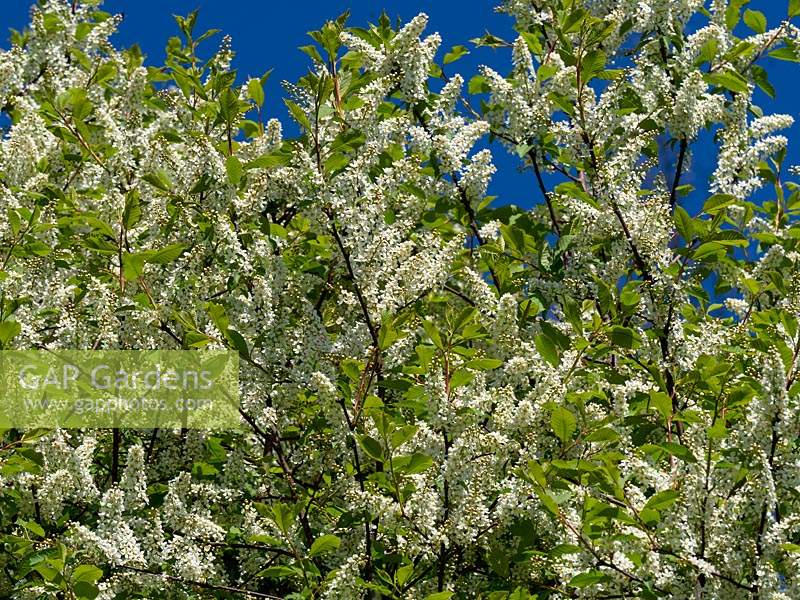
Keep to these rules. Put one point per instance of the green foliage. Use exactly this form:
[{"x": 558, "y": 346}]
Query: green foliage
[{"x": 444, "y": 396}]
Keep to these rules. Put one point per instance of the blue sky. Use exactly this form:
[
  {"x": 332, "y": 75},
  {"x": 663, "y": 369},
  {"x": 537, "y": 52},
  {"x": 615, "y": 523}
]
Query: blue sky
[{"x": 266, "y": 35}]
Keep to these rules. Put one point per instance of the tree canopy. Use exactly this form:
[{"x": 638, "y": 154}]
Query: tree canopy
[{"x": 443, "y": 395}]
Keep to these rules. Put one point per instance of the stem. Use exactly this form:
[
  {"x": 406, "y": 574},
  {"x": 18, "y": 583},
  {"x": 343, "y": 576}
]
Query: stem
[
  {"x": 545, "y": 194},
  {"x": 203, "y": 584},
  {"x": 673, "y": 195},
  {"x": 115, "y": 455},
  {"x": 373, "y": 332}
]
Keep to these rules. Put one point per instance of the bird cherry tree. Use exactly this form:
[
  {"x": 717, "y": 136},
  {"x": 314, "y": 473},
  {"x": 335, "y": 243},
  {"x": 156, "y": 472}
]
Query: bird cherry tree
[{"x": 443, "y": 395}]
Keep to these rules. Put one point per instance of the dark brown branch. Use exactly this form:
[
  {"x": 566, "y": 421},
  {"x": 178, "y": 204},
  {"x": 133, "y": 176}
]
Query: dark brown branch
[
  {"x": 637, "y": 258},
  {"x": 203, "y": 584},
  {"x": 373, "y": 331},
  {"x": 473, "y": 225},
  {"x": 115, "y": 455},
  {"x": 543, "y": 189},
  {"x": 460, "y": 294},
  {"x": 673, "y": 195}
]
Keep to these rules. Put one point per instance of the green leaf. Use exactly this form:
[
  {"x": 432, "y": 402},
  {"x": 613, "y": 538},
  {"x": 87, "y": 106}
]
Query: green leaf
[
  {"x": 717, "y": 430},
  {"x": 267, "y": 540},
  {"x": 729, "y": 79},
  {"x": 662, "y": 500},
  {"x": 14, "y": 221},
  {"x": 604, "y": 434},
  {"x": 234, "y": 168},
  {"x": 195, "y": 339},
  {"x": 684, "y": 223},
  {"x": 762, "y": 80},
  {"x": 547, "y": 349},
  {"x": 533, "y": 41},
  {"x": 410, "y": 465},
  {"x": 351, "y": 369},
  {"x": 76, "y": 101},
  {"x": 522, "y": 150},
  {"x": 371, "y": 447},
  {"x": 717, "y": 202},
  {"x": 455, "y": 53},
  {"x": 485, "y": 364},
  {"x": 570, "y": 188},
  {"x": 387, "y": 335},
  {"x": 536, "y": 473},
  {"x": 593, "y": 64},
  {"x": 708, "y": 249},
  {"x": 794, "y": 8},
  {"x": 788, "y": 53},
  {"x": 269, "y": 161},
  {"x": 283, "y": 516},
  {"x": 629, "y": 297},
  {"x": 755, "y": 20},
  {"x": 433, "y": 333},
  {"x": 85, "y": 590},
  {"x": 202, "y": 470},
  {"x": 678, "y": 451},
  {"x": 279, "y": 231},
  {"x": 298, "y": 114},
  {"x": 547, "y": 500},
  {"x": 564, "y": 549},
  {"x": 256, "y": 91},
  {"x": 218, "y": 316},
  {"x": 403, "y": 434},
  {"x": 280, "y": 572},
  {"x": 133, "y": 265},
  {"x": 45, "y": 569},
  {"x": 403, "y": 573},
  {"x": 563, "y": 423},
  {"x": 167, "y": 254},
  {"x": 586, "y": 579},
  {"x": 732, "y": 13},
  {"x": 159, "y": 179},
  {"x": 624, "y": 337},
  {"x": 572, "y": 313},
  {"x": 336, "y": 162},
  {"x": 490, "y": 40},
  {"x": 730, "y": 237},
  {"x": 132, "y": 213},
  {"x": 439, "y": 596},
  {"x": 37, "y": 248},
  {"x": 229, "y": 107},
  {"x": 662, "y": 403},
  {"x": 86, "y": 573},
  {"x": 573, "y": 21},
  {"x": 8, "y": 331},
  {"x": 250, "y": 128},
  {"x": 34, "y": 528},
  {"x": 238, "y": 342},
  {"x": 203, "y": 184},
  {"x": 478, "y": 85},
  {"x": 311, "y": 51},
  {"x": 461, "y": 377},
  {"x": 553, "y": 333},
  {"x": 323, "y": 545}
]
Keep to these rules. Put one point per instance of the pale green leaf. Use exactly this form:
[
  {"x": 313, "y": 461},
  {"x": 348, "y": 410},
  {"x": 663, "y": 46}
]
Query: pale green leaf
[
  {"x": 323, "y": 545},
  {"x": 563, "y": 423}
]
